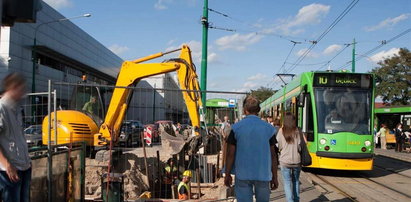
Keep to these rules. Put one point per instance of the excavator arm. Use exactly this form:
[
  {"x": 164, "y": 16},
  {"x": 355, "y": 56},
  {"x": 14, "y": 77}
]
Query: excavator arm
[{"x": 132, "y": 72}]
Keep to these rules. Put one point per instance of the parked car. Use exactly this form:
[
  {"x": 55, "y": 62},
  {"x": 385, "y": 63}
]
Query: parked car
[
  {"x": 33, "y": 135},
  {"x": 130, "y": 134}
]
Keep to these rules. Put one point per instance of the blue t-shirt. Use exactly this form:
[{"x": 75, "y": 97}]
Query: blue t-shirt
[{"x": 253, "y": 138}]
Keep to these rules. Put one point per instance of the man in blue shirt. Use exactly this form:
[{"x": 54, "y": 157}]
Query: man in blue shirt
[{"x": 251, "y": 148}]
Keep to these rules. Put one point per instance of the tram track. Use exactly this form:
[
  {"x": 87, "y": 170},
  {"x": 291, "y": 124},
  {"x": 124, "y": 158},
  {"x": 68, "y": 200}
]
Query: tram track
[
  {"x": 340, "y": 191},
  {"x": 383, "y": 185},
  {"x": 388, "y": 181}
]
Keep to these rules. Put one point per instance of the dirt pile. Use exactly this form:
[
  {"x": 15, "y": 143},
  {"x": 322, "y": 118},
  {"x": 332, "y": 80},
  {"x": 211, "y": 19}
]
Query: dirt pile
[{"x": 133, "y": 170}]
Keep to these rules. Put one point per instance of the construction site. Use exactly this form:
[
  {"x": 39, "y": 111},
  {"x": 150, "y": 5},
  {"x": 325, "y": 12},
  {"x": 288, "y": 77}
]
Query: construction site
[
  {"x": 94, "y": 146},
  {"x": 141, "y": 106}
]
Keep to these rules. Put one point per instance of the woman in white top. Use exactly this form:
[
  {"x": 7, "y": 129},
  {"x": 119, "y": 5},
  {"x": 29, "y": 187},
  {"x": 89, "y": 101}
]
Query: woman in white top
[{"x": 288, "y": 138}]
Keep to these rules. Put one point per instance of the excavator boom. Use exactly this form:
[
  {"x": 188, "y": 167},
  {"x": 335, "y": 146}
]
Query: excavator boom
[{"x": 132, "y": 72}]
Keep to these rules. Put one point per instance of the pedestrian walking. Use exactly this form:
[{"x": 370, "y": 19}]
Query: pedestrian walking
[
  {"x": 15, "y": 164},
  {"x": 399, "y": 138},
  {"x": 383, "y": 132},
  {"x": 251, "y": 150},
  {"x": 270, "y": 120},
  {"x": 289, "y": 138},
  {"x": 225, "y": 131},
  {"x": 377, "y": 135},
  {"x": 277, "y": 124}
]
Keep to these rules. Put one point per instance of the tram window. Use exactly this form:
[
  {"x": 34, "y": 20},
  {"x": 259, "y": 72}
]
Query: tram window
[{"x": 343, "y": 110}]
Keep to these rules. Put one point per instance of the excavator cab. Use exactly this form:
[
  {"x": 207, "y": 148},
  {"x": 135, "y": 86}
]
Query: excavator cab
[{"x": 88, "y": 99}]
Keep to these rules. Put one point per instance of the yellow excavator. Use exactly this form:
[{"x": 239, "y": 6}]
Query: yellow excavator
[{"x": 84, "y": 121}]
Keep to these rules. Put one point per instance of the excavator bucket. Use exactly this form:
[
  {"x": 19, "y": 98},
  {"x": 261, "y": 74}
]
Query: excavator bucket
[{"x": 173, "y": 143}]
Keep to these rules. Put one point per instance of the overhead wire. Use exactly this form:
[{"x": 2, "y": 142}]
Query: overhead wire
[
  {"x": 383, "y": 43},
  {"x": 289, "y": 53},
  {"x": 339, "y": 52},
  {"x": 253, "y": 31},
  {"x": 330, "y": 27}
]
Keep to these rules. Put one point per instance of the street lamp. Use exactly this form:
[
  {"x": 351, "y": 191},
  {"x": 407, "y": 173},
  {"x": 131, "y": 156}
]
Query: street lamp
[
  {"x": 34, "y": 58},
  {"x": 34, "y": 53}
]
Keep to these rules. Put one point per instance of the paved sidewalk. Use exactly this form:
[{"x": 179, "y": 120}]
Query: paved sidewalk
[
  {"x": 307, "y": 190},
  {"x": 404, "y": 156}
]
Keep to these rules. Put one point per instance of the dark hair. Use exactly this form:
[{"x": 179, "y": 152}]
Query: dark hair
[
  {"x": 251, "y": 104},
  {"x": 13, "y": 80},
  {"x": 277, "y": 122},
  {"x": 289, "y": 127}
]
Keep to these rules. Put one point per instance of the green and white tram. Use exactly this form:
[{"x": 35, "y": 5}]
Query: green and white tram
[{"x": 335, "y": 111}]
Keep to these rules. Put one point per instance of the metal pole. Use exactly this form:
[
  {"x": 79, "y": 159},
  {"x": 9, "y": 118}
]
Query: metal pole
[
  {"x": 198, "y": 183},
  {"x": 55, "y": 116},
  {"x": 159, "y": 173},
  {"x": 154, "y": 103},
  {"x": 33, "y": 80},
  {"x": 353, "y": 57},
  {"x": 34, "y": 53},
  {"x": 49, "y": 149},
  {"x": 145, "y": 164},
  {"x": 204, "y": 21}
]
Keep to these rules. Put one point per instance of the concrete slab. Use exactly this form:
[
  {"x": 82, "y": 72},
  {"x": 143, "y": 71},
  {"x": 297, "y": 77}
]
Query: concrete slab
[
  {"x": 308, "y": 192},
  {"x": 404, "y": 156}
]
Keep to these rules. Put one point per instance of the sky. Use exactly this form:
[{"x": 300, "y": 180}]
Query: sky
[{"x": 257, "y": 37}]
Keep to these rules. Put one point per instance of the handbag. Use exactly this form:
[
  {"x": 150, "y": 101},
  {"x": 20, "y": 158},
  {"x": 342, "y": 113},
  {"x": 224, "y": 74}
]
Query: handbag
[{"x": 304, "y": 154}]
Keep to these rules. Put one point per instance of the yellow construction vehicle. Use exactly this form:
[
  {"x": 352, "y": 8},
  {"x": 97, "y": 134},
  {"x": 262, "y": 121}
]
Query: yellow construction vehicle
[{"x": 85, "y": 121}]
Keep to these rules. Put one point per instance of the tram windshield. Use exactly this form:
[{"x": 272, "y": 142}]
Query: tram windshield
[{"x": 342, "y": 109}]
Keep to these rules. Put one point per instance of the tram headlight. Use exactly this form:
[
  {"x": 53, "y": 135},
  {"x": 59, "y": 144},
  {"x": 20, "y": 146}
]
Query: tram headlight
[
  {"x": 323, "y": 141},
  {"x": 367, "y": 143}
]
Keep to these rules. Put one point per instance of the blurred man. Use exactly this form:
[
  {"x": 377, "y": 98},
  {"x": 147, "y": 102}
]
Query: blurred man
[{"x": 15, "y": 164}]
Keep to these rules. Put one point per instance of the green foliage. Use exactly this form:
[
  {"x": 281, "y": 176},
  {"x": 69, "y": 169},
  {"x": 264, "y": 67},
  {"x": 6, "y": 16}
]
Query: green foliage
[
  {"x": 393, "y": 78},
  {"x": 263, "y": 93}
]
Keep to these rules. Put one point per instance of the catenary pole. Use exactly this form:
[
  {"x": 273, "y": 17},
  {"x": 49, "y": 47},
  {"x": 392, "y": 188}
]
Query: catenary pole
[{"x": 203, "y": 85}]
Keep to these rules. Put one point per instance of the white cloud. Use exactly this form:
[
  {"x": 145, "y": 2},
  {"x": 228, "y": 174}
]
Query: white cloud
[
  {"x": 310, "y": 14},
  {"x": 117, "y": 49},
  {"x": 169, "y": 43},
  {"x": 250, "y": 84},
  {"x": 213, "y": 58},
  {"x": 311, "y": 54},
  {"x": 196, "y": 52},
  {"x": 238, "y": 42},
  {"x": 389, "y": 22},
  {"x": 57, "y": 4},
  {"x": 384, "y": 55},
  {"x": 257, "y": 77},
  {"x": 332, "y": 49},
  {"x": 307, "y": 15},
  {"x": 161, "y": 4}
]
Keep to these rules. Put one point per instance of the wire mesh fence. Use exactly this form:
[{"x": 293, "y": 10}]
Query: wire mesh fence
[{"x": 154, "y": 135}]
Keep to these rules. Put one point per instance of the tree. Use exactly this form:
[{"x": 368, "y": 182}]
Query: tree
[
  {"x": 393, "y": 78},
  {"x": 263, "y": 93}
]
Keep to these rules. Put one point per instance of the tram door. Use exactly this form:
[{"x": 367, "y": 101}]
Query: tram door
[{"x": 307, "y": 116}]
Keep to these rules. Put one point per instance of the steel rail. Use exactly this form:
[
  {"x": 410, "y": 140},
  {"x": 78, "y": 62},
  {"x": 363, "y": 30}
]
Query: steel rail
[{"x": 348, "y": 196}]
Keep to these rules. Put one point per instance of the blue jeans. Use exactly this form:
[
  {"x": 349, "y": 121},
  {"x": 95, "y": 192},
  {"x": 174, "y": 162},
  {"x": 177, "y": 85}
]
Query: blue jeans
[
  {"x": 244, "y": 190},
  {"x": 291, "y": 182},
  {"x": 15, "y": 191}
]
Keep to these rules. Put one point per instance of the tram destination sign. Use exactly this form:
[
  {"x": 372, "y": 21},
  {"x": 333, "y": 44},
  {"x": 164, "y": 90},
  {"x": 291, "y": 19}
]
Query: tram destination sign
[{"x": 342, "y": 80}]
